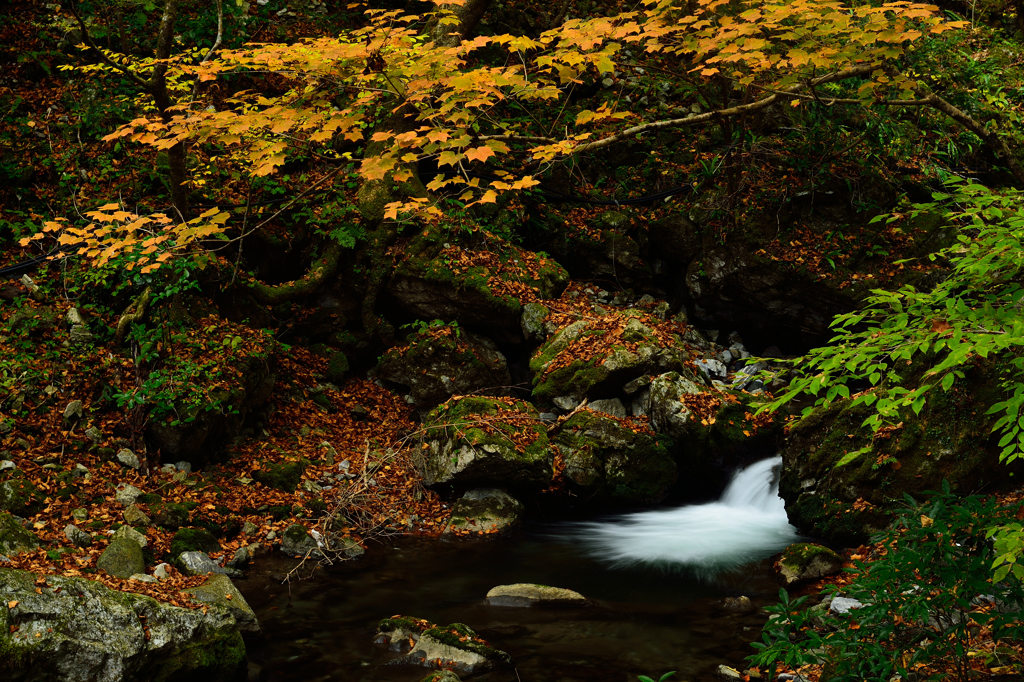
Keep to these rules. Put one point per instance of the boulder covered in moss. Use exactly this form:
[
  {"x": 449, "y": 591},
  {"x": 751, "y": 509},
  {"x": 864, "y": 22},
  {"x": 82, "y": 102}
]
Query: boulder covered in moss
[
  {"x": 122, "y": 558},
  {"x": 443, "y": 361},
  {"x": 78, "y": 629},
  {"x": 607, "y": 460},
  {"x": 480, "y": 289},
  {"x": 218, "y": 591},
  {"x": 15, "y": 538},
  {"x": 283, "y": 476},
  {"x": 193, "y": 540},
  {"x": 19, "y": 495},
  {"x": 486, "y": 441},
  {"x": 804, "y": 561},
  {"x": 169, "y": 515},
  {"x": 951, "y": 439},
  {"x": 597, "y": 357},
  {"x": 484, "y": 511}
]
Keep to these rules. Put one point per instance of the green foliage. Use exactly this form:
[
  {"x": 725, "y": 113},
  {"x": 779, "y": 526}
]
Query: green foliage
[
  {"x": 645, "y": 678},
  {"x": 922, "y": 600},
  {"x": 423, "y": 327},
  {"x": 972, "y": 314}
]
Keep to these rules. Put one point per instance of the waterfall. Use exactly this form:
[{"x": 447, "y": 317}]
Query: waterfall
[{"x": 746, "y": 524}]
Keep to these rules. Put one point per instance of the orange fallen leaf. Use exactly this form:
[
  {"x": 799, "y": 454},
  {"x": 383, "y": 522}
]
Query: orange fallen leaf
[{"x": 12, "y": 604}]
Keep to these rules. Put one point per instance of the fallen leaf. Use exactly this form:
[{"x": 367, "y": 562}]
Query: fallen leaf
[{"x": 12, "y": 604}]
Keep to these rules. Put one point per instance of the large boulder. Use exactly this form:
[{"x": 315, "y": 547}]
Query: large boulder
[
  {"x": 122, "y": 558},
  {"x": 454, "y": 646},
  {"x": 442, "y": 361},
  {"x": 596, "y": 357},
  {"x": 606, "y": 460},
  {"x": 77, "y": 630},
  {"x": 19, "y": 495},
  {"x": 218, "y": 591},
  {"x": 15, "y": 538},
  {"x": 480, "y": 289},
  {"x": 951, "y": 439},
  {"x": 484, "y": 511},
  {"x": 486, "y": 441}
]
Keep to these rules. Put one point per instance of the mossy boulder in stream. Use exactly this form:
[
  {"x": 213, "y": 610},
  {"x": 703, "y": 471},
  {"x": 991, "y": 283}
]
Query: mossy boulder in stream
[
  {"x": 803, "y": 561},
  {"x": 453, "y": 647},
  {"x": 950, "y": 440},
  {"x": 486, "y": 441},
  {"x": 608, "y": 460},
  {"x": 442, "y": 361},
  {"x": 72, "y": 629},
  {"x": 484, "y": 511}
]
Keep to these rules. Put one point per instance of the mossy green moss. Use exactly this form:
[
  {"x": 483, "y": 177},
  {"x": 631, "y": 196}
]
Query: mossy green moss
[
  {"x": 405, "y": 624},
  {"x": 284, "y": 476},
  {"x": 461, "y": 636},
  {"x": 193, "y": 540}
]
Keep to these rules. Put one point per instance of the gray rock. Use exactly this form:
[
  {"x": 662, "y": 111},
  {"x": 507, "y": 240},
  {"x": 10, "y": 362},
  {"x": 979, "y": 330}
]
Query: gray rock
[
  {"x": 80, "y": 471},
  {"x": 741, "y": 604},
  {"x": 841, "y": 605},
  {"x": 162, "y": 571},
  {"x": 711, "y": 368},
  {"x": 183, "y": 466},
  {"x": 7, "y": 464},
  {"x": 220, "y": 592},
  {"x": 566, "y": 402},
  {"x": 122, "y": 558},
  {"x": 129, "y": 533},
  {"x": 612, "y": 406},
  {"x": 15, "y": 538},
  {"x": 668, "y": 414},
  {"x": 74, "y": 629},
  {"x": 486, "y": 511},
  {"x": 134, "y": 516},
  {"x": 77, "y": 536},
  {"x": 143, "y": 578},
  {"x": 532, "y": 322},
  {"x": 128, "y": 458},
  {"x": 73, "y": 410},
  {"x": 528, "y": 594},
  {"x": 126, "y": 494},
  {"x": 198, "y": 563},
  {"x": 248, "y": 528},
  {"x": 727, "y": 674},
  {"x": 434, "y": 647},
  {"x": 80, "y": 514}
]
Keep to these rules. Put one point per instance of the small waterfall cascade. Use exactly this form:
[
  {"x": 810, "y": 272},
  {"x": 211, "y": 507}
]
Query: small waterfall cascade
[{"x": 746, "y": 524}]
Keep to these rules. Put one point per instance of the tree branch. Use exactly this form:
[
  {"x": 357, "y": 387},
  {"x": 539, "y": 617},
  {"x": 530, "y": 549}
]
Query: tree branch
[{"x": 87, "y": 37}]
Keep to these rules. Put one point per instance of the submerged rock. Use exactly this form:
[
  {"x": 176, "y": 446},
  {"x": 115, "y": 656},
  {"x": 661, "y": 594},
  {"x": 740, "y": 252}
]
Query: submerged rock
[
  {"x": 805, "y": 561},
  {"x": 77, "y": 630},
  {"x": 528, "y": 594},
  {"x": 487, "y": 511}
]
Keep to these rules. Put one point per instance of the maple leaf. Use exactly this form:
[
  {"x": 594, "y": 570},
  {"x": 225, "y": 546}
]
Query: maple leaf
[{"x": 479, "y": 153}]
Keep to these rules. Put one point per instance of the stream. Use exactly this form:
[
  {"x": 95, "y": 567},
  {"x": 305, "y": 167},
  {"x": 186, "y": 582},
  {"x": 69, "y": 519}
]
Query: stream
[{"x": 659, "y": 579}]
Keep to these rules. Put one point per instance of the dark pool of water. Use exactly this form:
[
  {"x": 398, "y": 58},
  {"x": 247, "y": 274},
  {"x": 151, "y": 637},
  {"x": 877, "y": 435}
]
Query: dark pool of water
[{"x": 648, "y": 621}]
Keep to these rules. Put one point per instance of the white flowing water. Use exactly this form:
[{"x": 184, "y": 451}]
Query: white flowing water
[{"x": 748, "y": 523}]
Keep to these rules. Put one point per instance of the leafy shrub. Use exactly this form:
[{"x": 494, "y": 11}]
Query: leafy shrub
[{"x": 924, "y": 602}]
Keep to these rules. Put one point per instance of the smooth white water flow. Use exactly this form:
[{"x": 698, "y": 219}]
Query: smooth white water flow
[{"x": 748, "y": 523}]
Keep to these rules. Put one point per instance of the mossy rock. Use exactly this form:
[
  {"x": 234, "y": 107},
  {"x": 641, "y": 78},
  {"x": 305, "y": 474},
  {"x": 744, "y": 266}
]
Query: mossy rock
[
  {"x": 170, "y": 515},
  {"x": 951, "y": 439},
  {"x": 442, "y": 362},
  {"x": 602, "y": 376},
  {"x": 469, "y": 444},
  {"x": 606, "y": 461},
  {"x": 193, "y": 540},
  {"x": 804, "y": 561},
  {"x": 19, "y": 495},
  {"x": 337, "y": 367},
  {"x": 284, "y": 476},
  {"x": 15, "y": 538},
  {"x": 122, "y": 558}
]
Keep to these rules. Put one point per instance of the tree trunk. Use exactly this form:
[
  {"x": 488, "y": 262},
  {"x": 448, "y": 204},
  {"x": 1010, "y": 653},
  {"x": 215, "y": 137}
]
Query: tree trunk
[{"x": 468, "y": 14}]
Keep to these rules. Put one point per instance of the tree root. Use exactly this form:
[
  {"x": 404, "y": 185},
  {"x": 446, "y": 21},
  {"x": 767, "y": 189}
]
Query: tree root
[{"x": 322, "y": 270}]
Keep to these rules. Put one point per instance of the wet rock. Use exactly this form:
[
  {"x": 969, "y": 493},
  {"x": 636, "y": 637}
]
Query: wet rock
[
  {"x": 608, "y": 462},
  {"x": 486, "y": 441},
  {"x": 727, "y": 674},
  {"x": 487, "y": 511},
  {"x": 805, "y": 561},
  {"x": 528, "y": 594},
  {"x": 442, "y": 676},
  {"x": 454, "y": 646},
  {"x": 218, "y": 591},
  {"x": 741, "y": 604},
  {"x": 15, "y": 538},
  {"x": 122, "y": 558},
  {"x": 76, "y": 629},
  {"x": 535, "y": 328},
  {"x": 296, "y": 541},
  {"x": 667, "y": 412},
  {"x": 198, "y": 563},
  {"x": 436, "y": 366}
]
